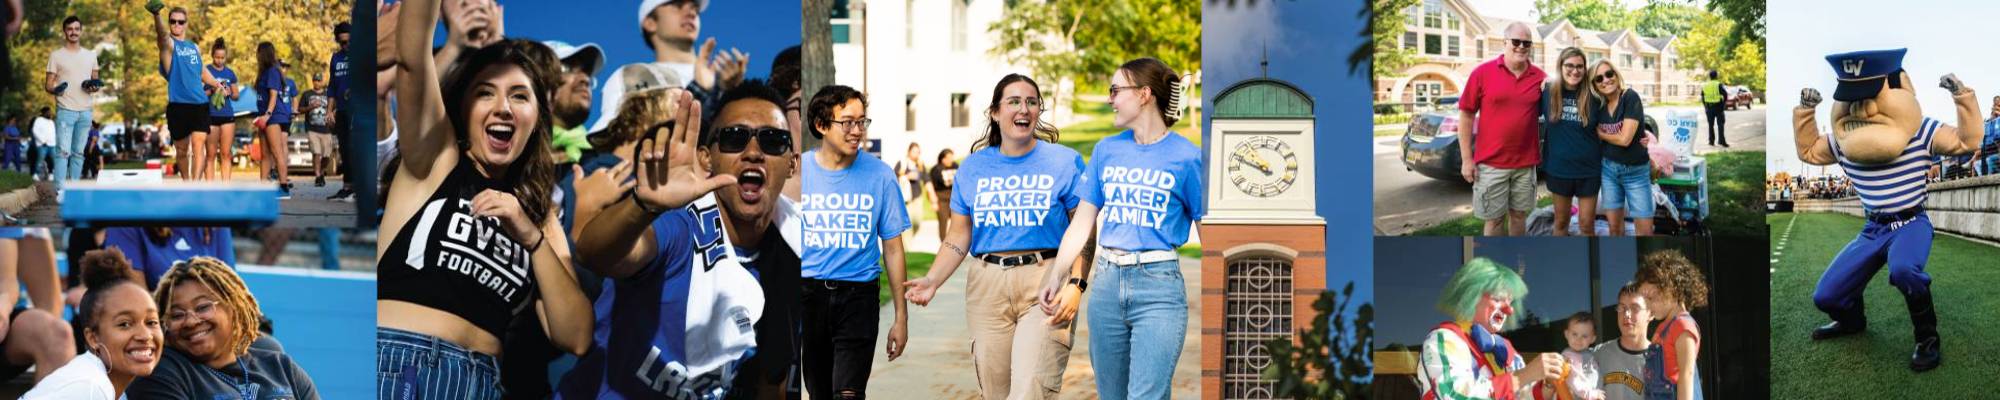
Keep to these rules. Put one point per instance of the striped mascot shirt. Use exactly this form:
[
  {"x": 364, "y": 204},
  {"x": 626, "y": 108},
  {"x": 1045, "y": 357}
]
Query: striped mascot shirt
[{"x": 1894, "y": 186}]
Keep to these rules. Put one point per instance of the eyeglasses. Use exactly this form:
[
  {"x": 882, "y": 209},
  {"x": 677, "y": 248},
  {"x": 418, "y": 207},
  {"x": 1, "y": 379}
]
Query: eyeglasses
[
  {"x": 1568, "y": 66},
  {"x": 177, "y": 21},
  {"x": 1521, "y": 42},
  {"x": 1021, "y": 104},
  {"x": 1607, "y": 77},
  {"x": 735, "y": 139},
  {"x": 204, "y": 309},
  {"x": 852, "y": 124},
  {"x": 1115, "y": 89}
]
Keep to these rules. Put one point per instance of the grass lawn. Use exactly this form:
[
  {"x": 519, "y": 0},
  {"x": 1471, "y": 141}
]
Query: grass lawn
[
  {"x": 11, "y": 180},
  {"x": 1189, "y": 251},
  {"x": 1735, "y": 199},
  {"x": 915, "y": 264},
  {"x": 1095, "y": 123},
  {"x": 1877, "y": 362},
  {"x": 1381, "y": 132}
]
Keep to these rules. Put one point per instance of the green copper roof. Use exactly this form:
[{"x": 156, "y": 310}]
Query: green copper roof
[{"x": 1263, "y": 98}]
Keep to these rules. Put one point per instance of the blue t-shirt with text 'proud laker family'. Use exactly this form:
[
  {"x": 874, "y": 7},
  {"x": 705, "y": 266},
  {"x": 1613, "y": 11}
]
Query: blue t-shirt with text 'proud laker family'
[
  {"x": 847, "y": 214},
  {"x": 1147, "y": 194},
  {"x": 1018, "y": 203}
]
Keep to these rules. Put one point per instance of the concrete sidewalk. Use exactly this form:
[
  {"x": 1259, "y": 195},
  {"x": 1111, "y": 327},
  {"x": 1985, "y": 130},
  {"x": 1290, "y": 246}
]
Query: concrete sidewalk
[{"x": 937, "y": 363}]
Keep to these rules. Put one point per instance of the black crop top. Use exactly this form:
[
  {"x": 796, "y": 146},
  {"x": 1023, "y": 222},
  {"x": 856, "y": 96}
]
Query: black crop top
[{"x": 448, "y": 259}]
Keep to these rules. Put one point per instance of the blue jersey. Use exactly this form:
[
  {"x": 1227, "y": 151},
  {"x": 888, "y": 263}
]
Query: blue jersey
[
  {"x": 275, "y": 82},
  {"x": 1018, "y": 203},
  {"x": 1147, "y": 194},
  {"x": 153, "y": 255},
  {"x": 184, "y": 79},
  {"x": 847, "y": 213},
  {"x": 227, "y": 78},
  {"x": 336, "y": 83},
  {"x": 1897, "y": 185},
  {"x": 678, "y": 329}
]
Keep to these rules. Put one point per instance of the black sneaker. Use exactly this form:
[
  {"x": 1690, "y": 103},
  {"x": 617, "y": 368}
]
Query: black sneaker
[
  {"x": 1927, "y": 357},
  {"x": 319, "y": 181},
  {"x": 344, "y": 194},
  {"x": 285, "y": 191},
  {"x": 1836, "y": 329}
]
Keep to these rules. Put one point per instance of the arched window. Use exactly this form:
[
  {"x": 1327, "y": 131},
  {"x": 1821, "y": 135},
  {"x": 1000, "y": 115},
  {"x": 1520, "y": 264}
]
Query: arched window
[{"x": 1257, "y": 308}]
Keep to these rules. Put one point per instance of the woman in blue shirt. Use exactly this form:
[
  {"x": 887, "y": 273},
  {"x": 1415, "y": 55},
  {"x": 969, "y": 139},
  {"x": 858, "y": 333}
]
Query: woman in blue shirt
[
  {"x": 277, "y": 118},
  {"x": 1147, "y": 184},
  {"x": 1010, "y": 216},
  {"x": 221, "y": 116},
  {"x": 1575, "y": 158}
]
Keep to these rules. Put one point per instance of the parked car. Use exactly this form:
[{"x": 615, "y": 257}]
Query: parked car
[
  {"x": 1739, "y": 96},
  {"x": 1430, "y": 144}
]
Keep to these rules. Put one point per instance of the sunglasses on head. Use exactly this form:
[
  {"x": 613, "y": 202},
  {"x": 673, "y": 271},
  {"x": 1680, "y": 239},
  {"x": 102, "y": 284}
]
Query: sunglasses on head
[
  {"x": 1521, "y": 42},
  {"x": 735, "y": 139}
]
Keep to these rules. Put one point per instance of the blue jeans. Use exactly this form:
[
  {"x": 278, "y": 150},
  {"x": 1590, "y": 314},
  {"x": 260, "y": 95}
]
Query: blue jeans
[
  {"x": 1627, "y": 186},
  {"x": 72, "y": 133},
  {"x": 1138, "y": 321},
  {"x": 411, "y": 365},
  {"x": 1992, "y": 165},
  {"x": 42, "y": 160}
]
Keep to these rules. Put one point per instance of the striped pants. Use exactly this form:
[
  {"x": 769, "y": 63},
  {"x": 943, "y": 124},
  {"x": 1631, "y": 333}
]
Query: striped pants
[{"x": 412, "y": 366}]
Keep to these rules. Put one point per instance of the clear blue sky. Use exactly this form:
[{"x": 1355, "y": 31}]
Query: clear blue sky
[
  {"x": 1309, "y": 42},
  {"x": 760, "y": 28},
  {"x": 1943, "y": 37}
]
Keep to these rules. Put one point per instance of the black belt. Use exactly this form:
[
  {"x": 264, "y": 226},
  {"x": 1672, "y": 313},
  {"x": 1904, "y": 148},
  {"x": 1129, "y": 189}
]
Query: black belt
[
  {"x": 1883, "y": 218},
  {"x": 835, "y": 285},
  {"x": 1019, "y": 259}
]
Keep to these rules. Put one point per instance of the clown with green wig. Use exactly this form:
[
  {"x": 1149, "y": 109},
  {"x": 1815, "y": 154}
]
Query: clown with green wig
[{"x": 1466, "y": 358}]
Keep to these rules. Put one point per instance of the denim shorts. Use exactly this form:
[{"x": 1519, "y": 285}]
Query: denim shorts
[
  {"x": 410, "y": 365},
  {"x": 1628, "y": 187}
]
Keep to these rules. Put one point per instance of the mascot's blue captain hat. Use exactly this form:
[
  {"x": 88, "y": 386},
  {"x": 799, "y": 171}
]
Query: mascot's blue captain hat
[{"x": 1863, "y": 73}]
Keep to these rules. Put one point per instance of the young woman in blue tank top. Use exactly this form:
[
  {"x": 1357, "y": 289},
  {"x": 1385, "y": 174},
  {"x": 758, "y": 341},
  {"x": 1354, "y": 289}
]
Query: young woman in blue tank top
[{"x": 221, "y": 116}]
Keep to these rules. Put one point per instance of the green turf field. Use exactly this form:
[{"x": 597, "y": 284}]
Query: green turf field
[{"x": 1875, "y": 364}]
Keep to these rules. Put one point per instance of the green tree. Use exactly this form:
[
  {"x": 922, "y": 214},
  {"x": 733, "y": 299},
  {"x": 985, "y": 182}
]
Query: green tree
[
  {"x": 1748, "y": 16},
  {"x": 1086, "y": 39},
  {"x": 1662, "y": 19},
  {"x": 1385, "y": 30},
  {"x": 1598, "y": 15}
]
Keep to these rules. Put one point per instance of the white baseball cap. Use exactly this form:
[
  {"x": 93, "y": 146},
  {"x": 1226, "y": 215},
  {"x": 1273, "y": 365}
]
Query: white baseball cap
[
  {"x": 646, "y": 7},
  {"x": 564, "y": 51}
]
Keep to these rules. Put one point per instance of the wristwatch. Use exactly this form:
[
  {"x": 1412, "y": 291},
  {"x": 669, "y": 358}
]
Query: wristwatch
[{"x": 1081, "y": 284}]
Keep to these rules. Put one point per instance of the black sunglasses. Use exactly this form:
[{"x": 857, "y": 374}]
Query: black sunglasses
[
  {"x": 1521, "y": 43},
  {"x": 735, "y": 139},
  {"x": 177, "y": 21},
  {"x": 1606, "y": 77}
]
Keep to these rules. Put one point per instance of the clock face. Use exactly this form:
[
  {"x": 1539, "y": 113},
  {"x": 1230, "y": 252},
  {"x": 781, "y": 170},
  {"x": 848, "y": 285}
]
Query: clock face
[{"x": 1262, "y": 166}]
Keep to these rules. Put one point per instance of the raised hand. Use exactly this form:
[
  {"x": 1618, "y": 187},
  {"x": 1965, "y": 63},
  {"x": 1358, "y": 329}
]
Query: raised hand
[
  {"x": 600, "y": 188},
  {"x": 704, "y": 71},
  {"x": 1809, "y": 98},
  {"x": 1950, "y": 83},
  {"x": 668, "y": 177}
]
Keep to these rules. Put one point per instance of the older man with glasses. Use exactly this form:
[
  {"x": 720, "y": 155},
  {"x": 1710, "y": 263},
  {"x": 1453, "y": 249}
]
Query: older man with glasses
[{"x": 1500, "y": 153}]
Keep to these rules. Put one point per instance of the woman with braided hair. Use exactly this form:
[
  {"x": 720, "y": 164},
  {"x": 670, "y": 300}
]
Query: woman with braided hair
[{"x": 211, "y": 319}]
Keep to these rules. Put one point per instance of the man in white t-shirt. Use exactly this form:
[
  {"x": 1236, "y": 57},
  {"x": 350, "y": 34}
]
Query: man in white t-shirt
[
  {"x": 71, "y": 78},
  {"x": 670, "y": 27},
  {"x": 45, "y": 146}
]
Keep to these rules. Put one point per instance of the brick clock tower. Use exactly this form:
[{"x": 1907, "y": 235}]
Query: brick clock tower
[{"x": 1263, "y": 258}]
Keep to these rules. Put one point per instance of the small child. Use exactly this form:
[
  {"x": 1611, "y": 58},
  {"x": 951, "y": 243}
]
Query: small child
[
  {"x": 1671, "y": 285},
  {"x": 1581, "y": 384}
]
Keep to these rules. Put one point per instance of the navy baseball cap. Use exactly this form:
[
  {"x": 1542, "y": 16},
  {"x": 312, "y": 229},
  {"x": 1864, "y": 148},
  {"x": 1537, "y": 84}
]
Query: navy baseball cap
[{"x": 1864, "y": 73}]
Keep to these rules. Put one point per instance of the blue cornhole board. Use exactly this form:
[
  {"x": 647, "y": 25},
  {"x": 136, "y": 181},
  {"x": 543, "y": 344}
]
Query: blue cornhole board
[{"x": 96, "y": 204}]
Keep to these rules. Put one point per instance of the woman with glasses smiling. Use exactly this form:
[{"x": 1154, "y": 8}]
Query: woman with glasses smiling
[
  {"x": 1021, "y": 188},
  {"x": 211, "y": 320},
  {"x": 1574, "y": 158}
]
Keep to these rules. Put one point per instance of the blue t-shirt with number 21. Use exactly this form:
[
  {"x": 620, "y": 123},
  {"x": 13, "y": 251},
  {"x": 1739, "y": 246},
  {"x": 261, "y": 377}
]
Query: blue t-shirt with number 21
[
  {"x": 1147, "y": 194},
  {"x": 847, "y": 214}
]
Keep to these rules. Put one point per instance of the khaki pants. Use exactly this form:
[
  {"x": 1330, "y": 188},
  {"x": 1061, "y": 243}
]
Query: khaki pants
[{"x": 1017, "y": 354}]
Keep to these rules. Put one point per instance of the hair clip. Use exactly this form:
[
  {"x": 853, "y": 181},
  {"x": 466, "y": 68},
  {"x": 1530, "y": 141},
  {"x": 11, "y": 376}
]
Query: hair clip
[{"x": 1177, "y": 102}]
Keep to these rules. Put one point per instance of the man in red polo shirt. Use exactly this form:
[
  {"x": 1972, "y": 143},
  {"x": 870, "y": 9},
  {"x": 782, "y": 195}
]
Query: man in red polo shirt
[{"x": 1501, "y": 101}]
